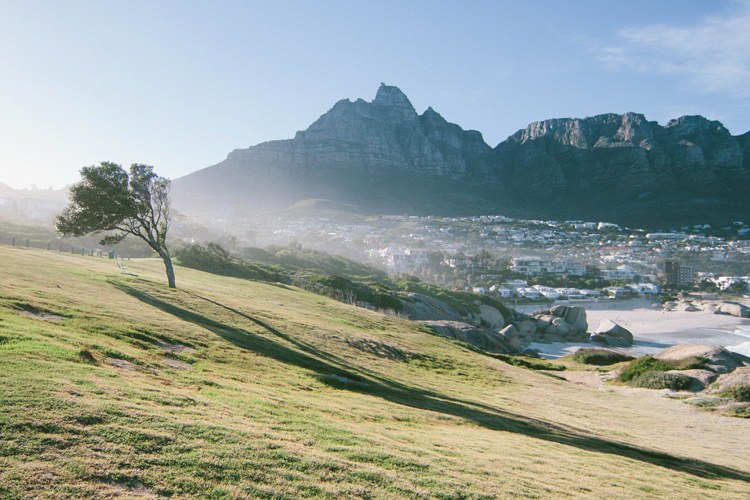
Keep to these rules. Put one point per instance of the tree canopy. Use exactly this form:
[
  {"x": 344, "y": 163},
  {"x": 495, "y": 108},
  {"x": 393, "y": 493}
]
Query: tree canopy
[{"x": 109, "y": 198}]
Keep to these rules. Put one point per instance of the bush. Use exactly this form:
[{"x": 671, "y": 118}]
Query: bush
[
  {"x": 643, "y": 365},
  {"x": 600, "y": 357},
  {"x": 649, "y": 364},
  {"x": 346, "y": 290},
  {"x": 522, "y": 361},
  {"x": 691, "y": 363},
  {"x": 740, "y": 393},
  {"x": 212, "y": 258},
  {"x": 662, "y": 380},
  {"x": 464, "y": 303}
]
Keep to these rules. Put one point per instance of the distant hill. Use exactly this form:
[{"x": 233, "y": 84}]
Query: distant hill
[
  {"x": 384, "y": 157},
  {"x": 31, "y": 205}
]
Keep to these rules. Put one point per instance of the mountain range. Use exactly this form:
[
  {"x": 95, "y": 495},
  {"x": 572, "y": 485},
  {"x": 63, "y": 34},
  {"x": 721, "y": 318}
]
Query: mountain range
[{"x": 383, "y": 157}]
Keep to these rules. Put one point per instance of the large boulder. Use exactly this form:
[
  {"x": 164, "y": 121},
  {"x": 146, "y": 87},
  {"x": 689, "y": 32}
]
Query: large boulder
[
  {"x": 527, "y": 329},
  {"x": 491, "y": 317},
  {"x": 718, "y": 359},
  {"x": 483, "y": 339},
  {"x": 610, "y": 333},
  {"x": 733, "y": 309},
  {"x": 573, "y": 315},
  {"x": 543, "y": 321},
  {"x": 512, "y": 337},
  {"x": 734, "y": 380},
  {"x": 418, "y": 307},
  {"x": 559, "y": 328}
]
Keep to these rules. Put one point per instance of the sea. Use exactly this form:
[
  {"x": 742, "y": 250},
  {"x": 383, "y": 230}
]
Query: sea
[{"x": 736, "y": 340}]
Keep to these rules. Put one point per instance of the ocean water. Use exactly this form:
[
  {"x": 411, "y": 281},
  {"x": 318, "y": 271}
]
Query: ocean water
[
  {"x": 737, "y": 340},
  {"x": 743, "y": 334}
]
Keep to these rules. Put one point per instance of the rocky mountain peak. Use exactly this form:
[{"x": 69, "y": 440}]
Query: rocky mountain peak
[
  {"x": 390, "y": 96},
  {"x": 692, "y": 125}
]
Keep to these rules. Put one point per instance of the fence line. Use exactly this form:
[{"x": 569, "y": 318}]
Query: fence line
[{"x": 55, "y": 246}]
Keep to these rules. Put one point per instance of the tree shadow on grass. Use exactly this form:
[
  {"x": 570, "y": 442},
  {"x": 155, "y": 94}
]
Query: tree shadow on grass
[{"x": 325, "y": 365}]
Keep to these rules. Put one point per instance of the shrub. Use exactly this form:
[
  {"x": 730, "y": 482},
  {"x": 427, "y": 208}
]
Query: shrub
[
  {"x": 212, "y": 258},
  {"x": 642, "y": 365},
  {"x": 600, "y": 357},
  {"x": 662, "y": 380},
  {"x": 346, "y": 290},
  {"x": 691, "y": 363},
  {"x": 740, "y": 393},
  {"x": 86, "y": 356},
  {"x": 522, "y": 361},
  {"x": 464, "y": 303}
]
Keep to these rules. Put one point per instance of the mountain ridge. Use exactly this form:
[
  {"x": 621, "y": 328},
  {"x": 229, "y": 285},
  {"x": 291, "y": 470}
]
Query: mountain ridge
[{"x": 386, "y": 158}]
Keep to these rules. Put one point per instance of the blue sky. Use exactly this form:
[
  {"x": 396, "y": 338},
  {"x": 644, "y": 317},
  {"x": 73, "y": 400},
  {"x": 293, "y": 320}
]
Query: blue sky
[{"x": 179, "y": 84}]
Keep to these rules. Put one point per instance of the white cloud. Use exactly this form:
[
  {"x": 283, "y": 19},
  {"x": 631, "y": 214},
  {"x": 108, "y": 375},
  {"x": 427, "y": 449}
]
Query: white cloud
[{"x": 714, "y": 55}]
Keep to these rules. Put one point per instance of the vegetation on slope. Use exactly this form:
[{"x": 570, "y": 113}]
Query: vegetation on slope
[
  {"x": 212, "y": 258},
  {"x": 599, "y": 357},
  {"x": 648, "y": 372},
  {"x": 115, "y": 385},
  {"x": 329, "y": 275}
]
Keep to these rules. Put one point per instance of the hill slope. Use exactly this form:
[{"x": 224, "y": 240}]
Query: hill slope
[
  {"x": 385, "y": 158},
  {"x": 112, "y": 384}
]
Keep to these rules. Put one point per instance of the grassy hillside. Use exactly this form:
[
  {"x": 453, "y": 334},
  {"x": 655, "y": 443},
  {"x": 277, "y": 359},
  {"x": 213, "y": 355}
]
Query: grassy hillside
[{"x": 113, "y": 385}]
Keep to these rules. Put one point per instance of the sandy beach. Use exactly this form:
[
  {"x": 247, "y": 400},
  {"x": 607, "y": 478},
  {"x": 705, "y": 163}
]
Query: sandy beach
[{"x": 655, "y": 329}]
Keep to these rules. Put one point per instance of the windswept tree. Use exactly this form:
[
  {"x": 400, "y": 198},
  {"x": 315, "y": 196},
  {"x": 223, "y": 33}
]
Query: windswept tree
[{"x": 108, "y": 198}]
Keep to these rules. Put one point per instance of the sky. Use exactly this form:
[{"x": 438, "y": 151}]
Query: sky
[{"x": 180, "y": 84}]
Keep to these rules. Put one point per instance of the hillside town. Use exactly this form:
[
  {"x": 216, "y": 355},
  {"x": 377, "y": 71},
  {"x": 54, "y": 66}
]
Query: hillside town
[{"x": 531, "y": 259}]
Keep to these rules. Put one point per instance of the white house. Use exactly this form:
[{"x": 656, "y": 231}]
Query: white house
[
  {"x": 501, "y": 291},
  {"x": 622, "y": 273},
  {"x": 529, "y": 293}
]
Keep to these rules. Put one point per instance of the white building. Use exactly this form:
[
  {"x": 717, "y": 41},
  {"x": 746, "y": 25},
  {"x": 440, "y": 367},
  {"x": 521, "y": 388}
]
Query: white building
[
  {"x": 621, "y": 273},
  {"x": 402, "y": 260},
  {"x": 501, "y": 291},
  {"x": 532, "y": 266}
]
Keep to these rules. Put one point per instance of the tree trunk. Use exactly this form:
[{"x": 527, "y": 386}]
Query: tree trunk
[{"x": 164, "y": 253}]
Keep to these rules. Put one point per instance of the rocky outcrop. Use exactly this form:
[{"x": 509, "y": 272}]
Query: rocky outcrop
[
  {"x": 611, "y": 334},
  {"x": 512, "y": 337},
  {"x": 483, "y": 339},
  {"x": 385, "y": 157},
  {"x": 559, "y": 324},
  {"x": 701, "y": 378},
  {"x": 736, "y": 379},
  {"x": 490, "y": 317},
  {"x": 717, "y": 358},
  {"x": 733, "y": 309},
  {"x": 419, "y": 307}
]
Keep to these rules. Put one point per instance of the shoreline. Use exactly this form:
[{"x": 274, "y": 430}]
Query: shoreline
[{"x": 655, "y": 329}]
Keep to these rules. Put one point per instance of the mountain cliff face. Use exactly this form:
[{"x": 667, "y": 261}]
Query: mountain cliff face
[
  {"x": 626, "y": 168},
  {"x": 386, "y": 158},
  {"x": 380, "y": 155}
]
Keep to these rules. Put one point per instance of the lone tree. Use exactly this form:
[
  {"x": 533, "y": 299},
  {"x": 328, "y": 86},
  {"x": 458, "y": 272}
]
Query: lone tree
[{"x": 108, "y": 198}]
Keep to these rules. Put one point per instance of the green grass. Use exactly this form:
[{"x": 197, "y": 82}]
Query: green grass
[{"x": 281, "y": 393}]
